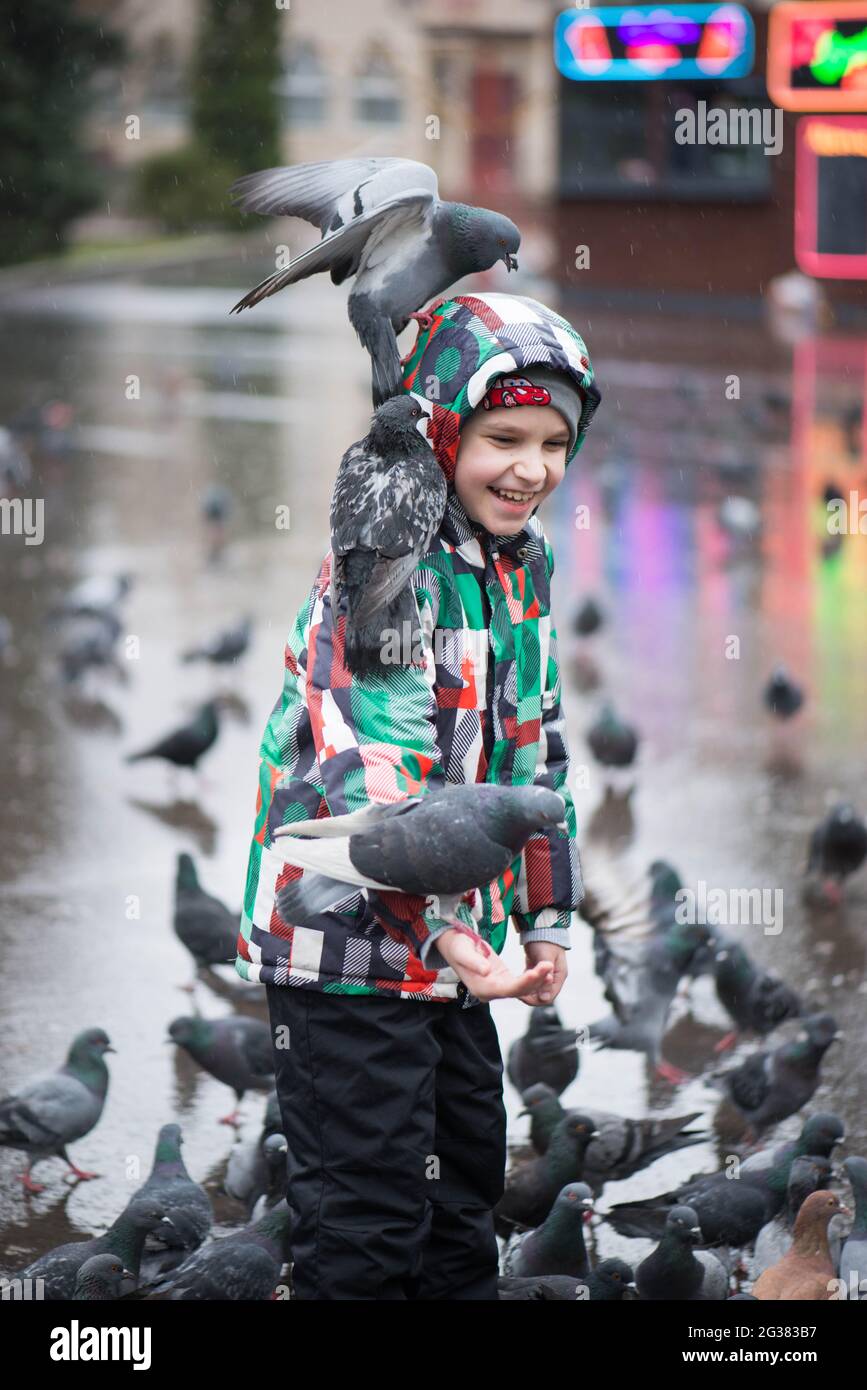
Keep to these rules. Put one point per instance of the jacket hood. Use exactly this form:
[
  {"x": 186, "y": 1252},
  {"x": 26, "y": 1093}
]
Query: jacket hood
[{"x": 475, "y": 338}]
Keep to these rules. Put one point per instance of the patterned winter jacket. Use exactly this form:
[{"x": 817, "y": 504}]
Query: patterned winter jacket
[{"x": 482, "y": 703}]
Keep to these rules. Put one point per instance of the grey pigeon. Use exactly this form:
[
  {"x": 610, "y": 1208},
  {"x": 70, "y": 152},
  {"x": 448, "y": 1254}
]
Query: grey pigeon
[
  {"x": 202, "y": 923},
  {"x": 179, "y": 1197},
  {"x": 249, "y": 1172},
  {"x": 770, "y": 1086},
  {"x": 588, "y": 618},
  {"x": 243, "y": 1266},
  {"x": 622, "y": 1147},
  {"x": 769, "y": 1169},
  {"x": 15, "y": 465},
  {"x": 383, "y": 222},
  {"x": 186, "y": 745},
  {"x": 386, "y": 509},
  {"x": 102, "y": 1278},
  {"x": 533, "y": 1187},
  {"x": 546, "y": 1054},
  {"x": 224, "y": 648},
  {"x": 807, "y": 1175},
  {"x": 757, "y": 1000},
  {"x": 557, "y": 1246},
  {"x": 612, "y": 742},
  {"x": 49, "y": 1113},
  {"x": 444, "y": 843},
  {"x": 96, "y": 596},
  {"x": 676, "y": 1271},
  {"x": 124, "y": 1239},
  {"x": 838, "y": 847},
  {"x": 781, "y": 695},
  {"x": 611, "y": 1282},
  {"x": 235, "y": 1050},
  {"x": 89, "y": 642},
  {"x": 853, "y": 1257}
]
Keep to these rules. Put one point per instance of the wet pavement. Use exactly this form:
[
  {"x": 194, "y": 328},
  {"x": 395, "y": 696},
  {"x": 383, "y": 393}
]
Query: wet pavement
[{"x": 172, "y": 396}]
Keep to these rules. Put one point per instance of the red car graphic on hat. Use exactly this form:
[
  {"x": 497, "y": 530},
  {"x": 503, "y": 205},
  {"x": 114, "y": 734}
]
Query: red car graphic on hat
[{"x": 516, "y": 390}]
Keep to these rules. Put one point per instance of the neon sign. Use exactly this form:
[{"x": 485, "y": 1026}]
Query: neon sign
[
  {"x": 831, "y": 197},
  {"x": 817, "y": 56},
  {"x": 644, "y": 43}
]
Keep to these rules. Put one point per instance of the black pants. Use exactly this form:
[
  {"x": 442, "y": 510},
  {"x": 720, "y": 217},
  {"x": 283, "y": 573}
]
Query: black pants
[{"x": 393, "y": 1112}]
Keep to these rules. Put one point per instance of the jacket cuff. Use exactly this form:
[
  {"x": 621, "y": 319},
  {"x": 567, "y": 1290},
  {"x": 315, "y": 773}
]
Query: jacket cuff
[{"x": 558, "y": 936}]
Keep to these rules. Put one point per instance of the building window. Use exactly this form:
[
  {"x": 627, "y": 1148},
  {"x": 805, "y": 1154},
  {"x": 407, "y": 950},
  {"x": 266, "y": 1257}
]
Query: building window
[
  {"x": 378, "y": 99},
  {"x": 303, "y": 87},
  {"x": 619, "y": 139},
  {"x": 165, "y": 97}
]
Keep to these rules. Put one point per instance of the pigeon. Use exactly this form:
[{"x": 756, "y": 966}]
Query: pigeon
[
  {"x": 838, "y": 847},
  {"x": 124, "y": 1239},
  {"x": 729, "y": 1212},
  {"x": 612, "y": 743},
  {"x": 853, "y": 1257},
  {"x": 611, "y": 1281},
  {"x": 546, "y": 1054},
  {"x": 89, "y": 642},
  {"x": 770, "y": 1169},
  {"x": 242, "y": 1267},
  {"x": 386, "y": 509},
  {"x": 775, "y": 1238},
  {"x": 676, "y": 1270},
  {"x": 202, "y": 923},
  {"x": 248, "y": 1173},
  {"x": 216, "y": 504},
  {"x": 443, "y": 844},
  {"x": 757, "y": 1000},
  {"x": 557, "y": 1246},
  {"x": 237, "y": 1051},
  {"x": 102, "y": 1278},
  {"x": 769, "y": 1086},
  {"x": 383, "y": 222},
  {"x": 642, "y": 994},
  {"x": 782, "y": 696},
  {"x": 49, "y": 1113},
  {"x": 96, "y": 596},
  {"x": 179, "y": 1197},
  {"x": 806, "y": 1271},
  {"x": 225, "y": 648},
  {"x": 623, "y": 1146},
  {"x": 533, "y": 1187},
  {"x": 588, "y": 619},
  {"x": 186, "y": 745},
  {"x": 14, "y": 462}
]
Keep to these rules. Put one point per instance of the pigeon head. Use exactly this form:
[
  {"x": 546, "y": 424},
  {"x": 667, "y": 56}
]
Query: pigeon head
[
  {"x": 475, "y": 338},
  {"x": 682, "y": 1222},
  {"x": 820, "y": 1133},
  {"x": 519, "y": 812},
  {"x": 147, "y": 1214},
  {"x": 274, "y": 1151},
  {"x": 818, "y": 1032},
  {"x": 90, "y": 1044},
  {"x": 396, "y": 419},
  {"x": 481, "y": 237},
  {"x": 189, "y": 1032},
  {"x": 615, "y": 1275},
  {"x": 539, "y": 1097},
  {"x": 806, "y": 1176},
  {"x": 815, "y": 1214}
]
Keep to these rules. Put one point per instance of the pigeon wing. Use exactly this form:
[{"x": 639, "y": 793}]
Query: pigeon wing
[
  {"x": 322, "y": 192},
  {"x": 328, "y": 857},
  {"x": 749, "y": 1083},
  {"x": 403, "y": 516}
]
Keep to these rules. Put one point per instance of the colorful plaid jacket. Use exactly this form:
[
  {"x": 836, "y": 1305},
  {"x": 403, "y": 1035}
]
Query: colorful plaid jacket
[{"x": 482, "y": 704}]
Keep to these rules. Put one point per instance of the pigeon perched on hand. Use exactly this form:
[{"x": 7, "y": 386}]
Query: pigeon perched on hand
[
  {"x": 838, "y": 847},
  {"x": 237, "y": 1051},
  {"x": 202, "y": 923},
  {"x": 545, "y": 1055},
  {"x": 49, "y": 1113},
  {"x": 387, "y": 506},
  {"x": 225, "y": 647},
  {"x": 124, "y": 1239},
  {"x": 806, "y": 1272},
  {"x": 186, "y": 745},
  {"x": 770, "y": 1086},
  {"x": 102, "y": 1278},
  {"x": 676, "y": 1270},
  {"x": 444, "y": 843},
  {"x": 383, "y": 222}
]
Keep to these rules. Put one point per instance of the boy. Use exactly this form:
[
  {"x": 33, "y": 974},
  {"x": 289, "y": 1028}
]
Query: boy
[{"x": 388, "y": 1068}]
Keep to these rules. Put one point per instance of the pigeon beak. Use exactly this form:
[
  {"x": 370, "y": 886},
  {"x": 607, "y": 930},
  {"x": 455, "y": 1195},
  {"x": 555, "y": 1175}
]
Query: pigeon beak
[
  {"x": 522, "y": 1112},
  {"x": 168, "y": 1221},
  {"x": 561, "y": 825},
  {"x": 510, "y": 261},
  {"x": 109, "y": 1048}
]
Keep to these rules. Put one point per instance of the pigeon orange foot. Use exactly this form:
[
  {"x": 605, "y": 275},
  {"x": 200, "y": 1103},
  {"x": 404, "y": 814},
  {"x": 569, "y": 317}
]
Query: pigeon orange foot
[{"x": 667, "y": 1071}]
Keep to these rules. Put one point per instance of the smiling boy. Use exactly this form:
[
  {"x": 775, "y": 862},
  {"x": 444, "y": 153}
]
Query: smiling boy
[{"x": 390, "y": 1087}]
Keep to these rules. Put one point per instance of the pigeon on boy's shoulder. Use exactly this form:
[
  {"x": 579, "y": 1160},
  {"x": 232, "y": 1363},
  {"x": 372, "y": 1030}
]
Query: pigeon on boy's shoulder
[{"x": 386, "y": 509}]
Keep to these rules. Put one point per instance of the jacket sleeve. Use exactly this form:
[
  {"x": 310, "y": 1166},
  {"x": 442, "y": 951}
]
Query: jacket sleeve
[
  {"x": 376, "y": 741},
  {"x": 549, "y": 886}
]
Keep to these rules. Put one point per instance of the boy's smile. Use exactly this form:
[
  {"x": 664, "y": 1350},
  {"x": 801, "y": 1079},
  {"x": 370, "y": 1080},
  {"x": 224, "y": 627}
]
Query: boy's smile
[{"x": 509, "y": 460}]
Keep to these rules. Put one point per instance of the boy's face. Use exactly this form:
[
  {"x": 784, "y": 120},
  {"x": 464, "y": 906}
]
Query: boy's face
[{"x": 519, "y": 451}]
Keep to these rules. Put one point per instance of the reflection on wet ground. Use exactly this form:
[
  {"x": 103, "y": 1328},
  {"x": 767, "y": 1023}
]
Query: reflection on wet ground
[{"x": 700, "y": 599}]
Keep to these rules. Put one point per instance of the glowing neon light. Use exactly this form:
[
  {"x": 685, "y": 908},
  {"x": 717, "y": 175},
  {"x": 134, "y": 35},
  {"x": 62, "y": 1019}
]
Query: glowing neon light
[
  {"x": 647, "y": 42},
  {"x": 812, "y": 65}
]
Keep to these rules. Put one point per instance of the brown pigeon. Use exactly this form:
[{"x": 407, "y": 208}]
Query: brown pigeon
[{"x": 807, "y": 1272}]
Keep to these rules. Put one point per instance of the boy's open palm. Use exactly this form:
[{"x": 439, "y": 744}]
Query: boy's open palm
[{"x": 482, "y": 970}]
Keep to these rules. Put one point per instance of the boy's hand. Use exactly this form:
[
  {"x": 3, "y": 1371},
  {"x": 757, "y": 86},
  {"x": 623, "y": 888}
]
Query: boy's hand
[
  {"x": 536, "y": 952},
  {"x": 484, "y": 974}
]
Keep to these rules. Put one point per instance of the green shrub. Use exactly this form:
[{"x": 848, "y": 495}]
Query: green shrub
[{"x": 185, "y": 189}]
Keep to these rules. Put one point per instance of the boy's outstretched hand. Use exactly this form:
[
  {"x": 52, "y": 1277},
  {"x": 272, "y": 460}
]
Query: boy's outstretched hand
[{"x": 485, "y": 975}]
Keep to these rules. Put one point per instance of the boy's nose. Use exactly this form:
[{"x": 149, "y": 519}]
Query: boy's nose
[{"x": 530, "y": 471}]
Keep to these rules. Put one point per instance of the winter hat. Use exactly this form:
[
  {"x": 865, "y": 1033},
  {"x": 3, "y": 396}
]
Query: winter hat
[
  {"x": 475, "y": 339},
  {"x": 539, "y": 386}
]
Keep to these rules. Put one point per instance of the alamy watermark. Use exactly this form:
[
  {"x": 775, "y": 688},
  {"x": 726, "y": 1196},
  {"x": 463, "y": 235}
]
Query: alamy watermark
[
  {"x": 733, "y": 125},
  {"x": 23, "y": 516},
  {"x": 731, "y": 907}
]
